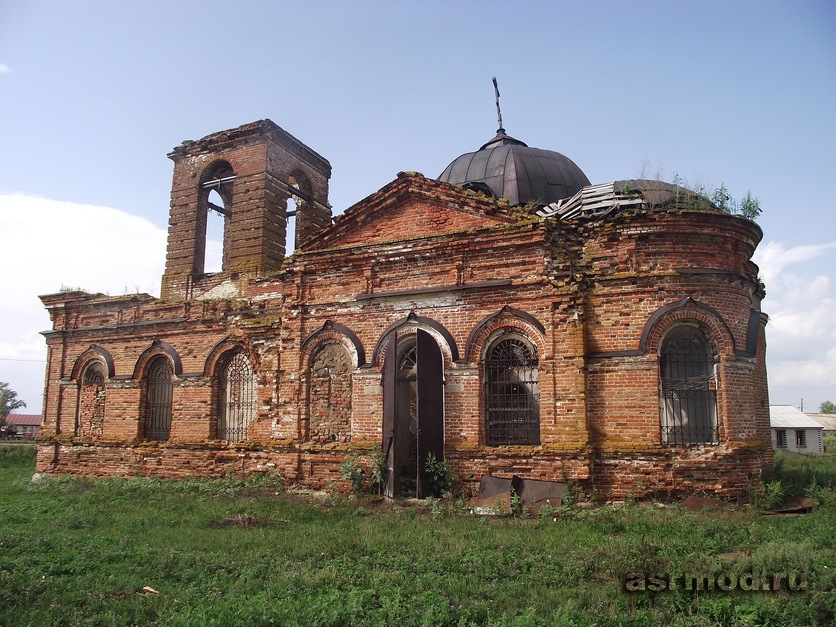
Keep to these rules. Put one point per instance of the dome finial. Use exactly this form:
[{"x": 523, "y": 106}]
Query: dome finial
[{"x": 499, "y": 130}]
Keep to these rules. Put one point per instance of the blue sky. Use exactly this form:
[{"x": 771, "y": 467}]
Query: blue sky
[{"x": 93, "y": 95}]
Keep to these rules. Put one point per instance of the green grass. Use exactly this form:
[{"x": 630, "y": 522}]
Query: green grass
[
  {"x": 799, "y": 474},
  {"x": 246, "y": 552}
]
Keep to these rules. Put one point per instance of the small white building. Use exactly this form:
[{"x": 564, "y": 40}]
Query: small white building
[{"x": 793, "y": 430}]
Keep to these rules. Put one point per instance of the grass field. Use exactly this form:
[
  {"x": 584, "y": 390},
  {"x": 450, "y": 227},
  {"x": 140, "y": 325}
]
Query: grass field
[{"x": 250, "y": 552}]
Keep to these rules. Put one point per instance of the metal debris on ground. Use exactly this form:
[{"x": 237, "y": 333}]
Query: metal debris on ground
[
  {"x": 794, "y": 505},
  {"x": 495, "y": 494}
]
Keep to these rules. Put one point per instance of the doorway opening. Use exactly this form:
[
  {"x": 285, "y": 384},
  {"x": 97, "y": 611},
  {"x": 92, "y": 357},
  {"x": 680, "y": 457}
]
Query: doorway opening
[{"x": 413, "y": 412}]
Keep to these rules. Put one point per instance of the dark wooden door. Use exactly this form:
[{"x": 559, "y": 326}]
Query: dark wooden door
[
  {"x": 429, "y": 374},
  {"x": 390, "y": 388},
  {"x": 430, "y": 407}
]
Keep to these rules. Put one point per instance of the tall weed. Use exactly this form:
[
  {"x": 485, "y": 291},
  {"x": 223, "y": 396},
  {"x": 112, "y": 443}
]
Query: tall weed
[{"x": 17, "y": 456}]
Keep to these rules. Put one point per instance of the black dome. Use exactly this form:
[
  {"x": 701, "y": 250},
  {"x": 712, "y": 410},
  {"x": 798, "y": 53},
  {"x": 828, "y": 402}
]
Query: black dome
[{"x": 508, "y": 168}]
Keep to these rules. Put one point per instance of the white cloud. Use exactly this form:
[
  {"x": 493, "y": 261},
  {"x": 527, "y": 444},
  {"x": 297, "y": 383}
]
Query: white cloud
[
  {"x": 50, "y": 243},
  {"x": 4, "y": 69},
  {"x": 773, "y": 257},
  {"x": 801, "y": 335}
]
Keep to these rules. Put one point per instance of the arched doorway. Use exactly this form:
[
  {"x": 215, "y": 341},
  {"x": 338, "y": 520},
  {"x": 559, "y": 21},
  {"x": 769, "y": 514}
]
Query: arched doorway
[{"x": 413, "y": 412}]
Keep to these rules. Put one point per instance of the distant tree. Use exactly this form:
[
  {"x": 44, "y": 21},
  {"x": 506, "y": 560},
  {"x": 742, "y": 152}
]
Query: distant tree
[
  {"x": 827, "y": 408},
  {"x": 8, "y": 401}
]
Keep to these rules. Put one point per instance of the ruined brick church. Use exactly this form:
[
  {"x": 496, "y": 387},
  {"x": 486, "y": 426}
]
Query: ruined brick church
[{"x": 507, "y": 317}]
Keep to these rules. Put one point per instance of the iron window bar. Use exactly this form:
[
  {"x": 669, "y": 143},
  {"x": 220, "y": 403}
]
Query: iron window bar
[
  {"x": 688, "y": 400},
  {"x": 512, "y": 395},
  {"x": 160, "y": 392},
  {"x": 237, "y": 399},
  {"x": 217, "y": 183}
]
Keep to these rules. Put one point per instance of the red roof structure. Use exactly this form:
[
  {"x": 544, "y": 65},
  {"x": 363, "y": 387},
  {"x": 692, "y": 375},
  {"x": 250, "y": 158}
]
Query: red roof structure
[{"x": 24, "y": 420}]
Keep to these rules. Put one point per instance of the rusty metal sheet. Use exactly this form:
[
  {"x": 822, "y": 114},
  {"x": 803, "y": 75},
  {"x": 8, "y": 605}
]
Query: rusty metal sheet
[
  {"x": 535, "y": 507},
  {"x": 492, "y": 486},
  {"x": 795, "y": 505},
  {"x": 494, "y": 505},
  {"x": 534, "y": 490}
]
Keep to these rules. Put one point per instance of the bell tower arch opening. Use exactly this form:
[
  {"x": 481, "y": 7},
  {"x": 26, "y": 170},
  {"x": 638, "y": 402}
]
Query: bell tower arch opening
[
  {"x": 305, "y": 215},
  {"x": 301, "y": 224},
  {"x": 215, "y": 226},
  {"x": 290, "y": 233},
  {"x": 254, "y": 192},
  {"x": 216, "y": 195}
]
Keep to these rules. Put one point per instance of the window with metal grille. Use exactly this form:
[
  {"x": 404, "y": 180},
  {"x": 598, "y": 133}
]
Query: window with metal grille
[
  {"x": 158, "y": 400},
  {"x": 688, "y": 395},
  {"x": 237, "y": 399},
  {"x": 512, "y": 394},
  {"x": 800, "y": 439},
  {"x": 781, "y": 438}
]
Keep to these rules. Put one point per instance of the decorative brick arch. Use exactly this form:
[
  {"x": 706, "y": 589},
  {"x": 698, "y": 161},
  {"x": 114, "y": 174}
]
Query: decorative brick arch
[
  {"x": 407, "y": 326},
  {"x": 157, "y": 347},
  {"x": 91, "y": 371},
  {"x": 506, "y": 319},
  {"x": 218, "y": 169},
  {"x": 328, "y": 357},
  {"x": 686, "y": 310},
  {"x": 234, "y": 389},
  {"x": 217, "y": 177},
  {"x": 222, "y": 349},
  {"x": 516, "y": 384},
  {"x": 94, "y": 353},
  {"x": 333, "y": 332}
]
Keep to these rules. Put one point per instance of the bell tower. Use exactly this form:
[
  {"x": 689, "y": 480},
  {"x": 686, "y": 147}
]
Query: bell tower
[{"x": 254, "y": 170}]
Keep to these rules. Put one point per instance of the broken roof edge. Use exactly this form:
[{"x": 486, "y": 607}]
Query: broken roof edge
[
  {"x": 78, "y": 296},
  {"x": 596, "y": 201}
]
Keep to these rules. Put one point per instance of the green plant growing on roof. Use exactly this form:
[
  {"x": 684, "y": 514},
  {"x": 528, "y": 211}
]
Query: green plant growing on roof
[{"x": 750, "y": 207}]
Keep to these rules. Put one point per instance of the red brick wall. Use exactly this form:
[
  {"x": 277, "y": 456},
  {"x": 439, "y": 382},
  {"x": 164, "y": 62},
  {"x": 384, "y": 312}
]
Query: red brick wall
[{"x": 594, "y": 299}]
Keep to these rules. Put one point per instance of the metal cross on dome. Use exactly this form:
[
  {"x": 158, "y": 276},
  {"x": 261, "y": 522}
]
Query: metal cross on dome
[{"x": 498, "y": 112}]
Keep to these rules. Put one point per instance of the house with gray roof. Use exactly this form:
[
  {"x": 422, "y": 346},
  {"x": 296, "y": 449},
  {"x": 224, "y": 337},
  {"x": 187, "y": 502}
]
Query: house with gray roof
[
  {"x": 793, "y": 430},
  {"x": 827, "y": 421}
]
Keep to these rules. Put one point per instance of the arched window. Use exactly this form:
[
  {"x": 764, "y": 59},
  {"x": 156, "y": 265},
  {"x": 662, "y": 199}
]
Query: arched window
[
  {"x": 299, "y": 216},
  {"x": 330, "y": 394},
  {"x": 92, "y": 397},
  {"x": 94, "y": 375},
  {"x": 236, "y": 398},
  {"x": 217, "y": 217},
  {"x": 158, "y": 400},
  {"x": 211, "y": 250},
  {"x": 512, "y": 393},
  {"x": 688, "y": 395}
]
